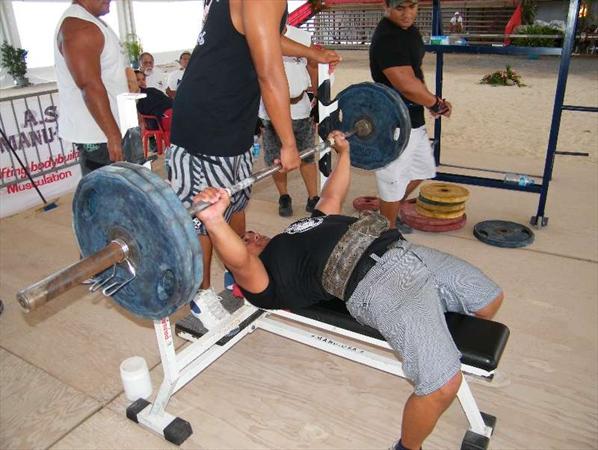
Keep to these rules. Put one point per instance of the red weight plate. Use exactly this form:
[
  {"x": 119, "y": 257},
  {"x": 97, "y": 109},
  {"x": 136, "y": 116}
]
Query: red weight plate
[
  {"x": 440, "y": 228},
  {"x": 366, "y": 203},
  {"x": 410, "y": 216}
]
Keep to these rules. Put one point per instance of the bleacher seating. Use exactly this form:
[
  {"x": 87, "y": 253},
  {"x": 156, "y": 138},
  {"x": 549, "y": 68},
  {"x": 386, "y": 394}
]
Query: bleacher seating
[{"x": 350, "y": 24}]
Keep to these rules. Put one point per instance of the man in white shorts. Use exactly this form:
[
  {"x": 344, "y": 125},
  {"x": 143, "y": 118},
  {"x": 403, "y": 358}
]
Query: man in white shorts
[{"x": 396, "y": 56}]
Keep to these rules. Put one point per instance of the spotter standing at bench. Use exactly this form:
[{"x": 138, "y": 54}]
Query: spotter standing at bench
[
  {"x": 238, "y": 56},
  {"x": 400, "y": 289}
]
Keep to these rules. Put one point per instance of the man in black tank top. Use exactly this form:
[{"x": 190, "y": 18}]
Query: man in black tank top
[
  {"x": 400, "y": 289},
  {"x": 238, "y": 54},
  {"x": 396, "y": 56}
]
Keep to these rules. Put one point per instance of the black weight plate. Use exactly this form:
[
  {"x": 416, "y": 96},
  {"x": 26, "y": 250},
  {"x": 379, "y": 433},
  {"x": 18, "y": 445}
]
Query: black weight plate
[
  {"x": 129, "y": 202},
  {"x": 502, "y": 233},
  {"x": 386, "y": 111}
]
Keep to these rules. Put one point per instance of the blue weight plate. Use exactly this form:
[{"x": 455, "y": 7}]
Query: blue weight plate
[
  {"x": 502, "y": 233},
  {"x": 129, "y": 202},
  {"x": 386, "y": 111},
  {"x": 179, "y": 213}
]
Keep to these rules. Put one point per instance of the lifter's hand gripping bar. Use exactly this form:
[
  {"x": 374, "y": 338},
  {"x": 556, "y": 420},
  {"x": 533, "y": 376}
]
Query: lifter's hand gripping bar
[{"x": 362, "y": 128}]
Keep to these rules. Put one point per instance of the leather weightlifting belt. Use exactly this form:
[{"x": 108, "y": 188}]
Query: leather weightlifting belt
[
  {"x": 348, "y": 250},
  {"x": 295, "y": 100}
]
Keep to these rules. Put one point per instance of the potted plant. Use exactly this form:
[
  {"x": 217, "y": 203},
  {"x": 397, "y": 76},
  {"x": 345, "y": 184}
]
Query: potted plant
[
  {"x": 134, "y": 49},
  {"x": 13, "y": 60}
]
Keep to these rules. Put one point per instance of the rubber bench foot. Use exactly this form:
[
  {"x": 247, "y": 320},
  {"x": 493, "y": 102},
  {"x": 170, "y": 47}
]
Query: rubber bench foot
[
  {"x": 135, "y": 408},
  {"x": 178, "y": 431},
  {"x": 475, "y": 441}
]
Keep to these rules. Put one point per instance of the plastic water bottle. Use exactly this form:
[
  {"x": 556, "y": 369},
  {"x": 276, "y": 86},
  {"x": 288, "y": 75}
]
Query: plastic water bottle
[
  {"x": 521, "y": 180},
  {"x": 255, "y": 150}
]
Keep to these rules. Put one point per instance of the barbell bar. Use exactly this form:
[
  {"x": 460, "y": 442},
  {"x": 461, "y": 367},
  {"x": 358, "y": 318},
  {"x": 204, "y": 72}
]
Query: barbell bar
[
  {"x": 362, "y": 128},
  {"x": 128, "y": 219}
]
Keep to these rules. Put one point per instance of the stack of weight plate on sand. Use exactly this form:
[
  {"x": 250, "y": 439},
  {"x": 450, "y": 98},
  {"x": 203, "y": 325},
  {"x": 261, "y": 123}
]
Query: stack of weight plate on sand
[{"x": 439, "y": 207}]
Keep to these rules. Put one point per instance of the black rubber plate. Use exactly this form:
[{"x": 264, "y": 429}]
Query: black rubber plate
[{"x": 501, "y": 233}]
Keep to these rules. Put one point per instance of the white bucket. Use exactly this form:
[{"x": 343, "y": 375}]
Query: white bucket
[{"x": 136, "y": 378}]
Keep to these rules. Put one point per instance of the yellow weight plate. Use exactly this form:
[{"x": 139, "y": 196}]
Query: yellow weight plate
[
  {"x": 444, "y": 192},
  {"x": 439, "y": 207},
  {"x": 439, "y": 215}
]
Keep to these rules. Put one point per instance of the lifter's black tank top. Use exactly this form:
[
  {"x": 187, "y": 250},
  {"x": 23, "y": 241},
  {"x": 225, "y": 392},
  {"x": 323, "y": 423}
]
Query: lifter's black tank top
[{"x": 216, "y": 104}]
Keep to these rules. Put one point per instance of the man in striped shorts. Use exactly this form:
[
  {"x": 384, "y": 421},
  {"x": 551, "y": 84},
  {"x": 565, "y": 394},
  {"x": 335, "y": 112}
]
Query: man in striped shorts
[
  {"x": 400, "y": 289},
  {"x": 238, "y": 54}
]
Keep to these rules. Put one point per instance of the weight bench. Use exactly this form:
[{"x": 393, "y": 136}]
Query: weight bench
[{"x": 480, "y": 341}]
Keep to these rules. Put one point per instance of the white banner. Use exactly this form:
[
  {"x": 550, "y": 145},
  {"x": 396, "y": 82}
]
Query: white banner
[{"x": 30, "y": 126}]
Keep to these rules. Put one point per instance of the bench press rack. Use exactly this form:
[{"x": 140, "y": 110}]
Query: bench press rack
[{"x": 481, "y": 351}]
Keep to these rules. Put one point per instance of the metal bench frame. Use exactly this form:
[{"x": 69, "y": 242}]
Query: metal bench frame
[{"x": 181, "y": 368}]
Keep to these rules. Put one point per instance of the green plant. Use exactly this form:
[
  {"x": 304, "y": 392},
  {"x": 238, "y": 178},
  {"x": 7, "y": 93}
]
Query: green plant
[
  {"x": 528, "y": 11},
  {"x": 134, "y": 49},
  {"x": 13, "y": 60},
  {"x": 506, "y": 77},
  {"x": 539, "y": 30}
]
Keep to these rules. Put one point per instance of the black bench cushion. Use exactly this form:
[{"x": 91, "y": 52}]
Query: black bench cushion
[{"x": 481, "y": 342}]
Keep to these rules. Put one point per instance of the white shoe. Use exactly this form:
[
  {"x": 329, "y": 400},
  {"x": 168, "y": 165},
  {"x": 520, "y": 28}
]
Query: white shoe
[{"x": 206, "y": 307}]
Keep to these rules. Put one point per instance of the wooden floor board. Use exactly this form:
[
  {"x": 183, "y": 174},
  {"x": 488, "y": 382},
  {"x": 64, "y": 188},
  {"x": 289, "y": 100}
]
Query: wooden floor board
[{"x": 37, "y": 409}]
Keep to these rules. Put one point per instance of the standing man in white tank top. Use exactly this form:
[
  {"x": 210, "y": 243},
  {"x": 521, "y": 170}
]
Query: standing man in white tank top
[{"x": 90, "y": 70}]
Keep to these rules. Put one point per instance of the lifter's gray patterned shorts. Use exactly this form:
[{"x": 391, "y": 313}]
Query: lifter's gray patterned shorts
[
  {"x": 405, "y": 295},
  {"x": 304, "y": 136}
]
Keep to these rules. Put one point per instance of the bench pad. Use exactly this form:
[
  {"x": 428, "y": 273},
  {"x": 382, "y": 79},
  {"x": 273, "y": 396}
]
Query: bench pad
[{"x": 481, "y": 342}]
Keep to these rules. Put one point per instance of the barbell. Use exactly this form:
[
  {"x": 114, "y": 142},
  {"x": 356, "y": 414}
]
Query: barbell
[{"x": 138, "y": 240}]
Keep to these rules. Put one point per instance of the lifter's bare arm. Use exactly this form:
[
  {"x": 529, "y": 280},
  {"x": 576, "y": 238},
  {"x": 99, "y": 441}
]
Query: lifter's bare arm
[
  {"x": 336, "y": 187},
  {"x": 81, "y": 43},
  {"x": 247, "y": 269}
]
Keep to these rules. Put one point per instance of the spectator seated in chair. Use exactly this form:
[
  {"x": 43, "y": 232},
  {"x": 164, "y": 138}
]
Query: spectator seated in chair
[
  {"x": 174, "y": 78},
  {"x": 155, "y": 104}
]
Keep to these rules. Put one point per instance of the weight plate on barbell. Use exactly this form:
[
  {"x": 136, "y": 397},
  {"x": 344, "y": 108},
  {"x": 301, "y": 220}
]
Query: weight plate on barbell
[
  {"x": 388, "y": 116},
  {"x": 129, "y": 202}
]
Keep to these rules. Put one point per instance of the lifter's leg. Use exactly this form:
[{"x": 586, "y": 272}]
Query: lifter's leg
[
  {"x": 488, "y": 311},
  {"x": 422, "y": 412}
]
